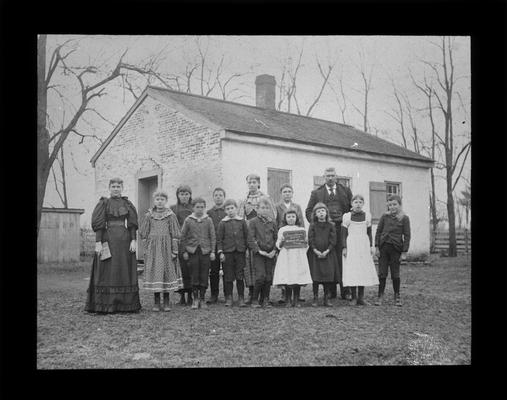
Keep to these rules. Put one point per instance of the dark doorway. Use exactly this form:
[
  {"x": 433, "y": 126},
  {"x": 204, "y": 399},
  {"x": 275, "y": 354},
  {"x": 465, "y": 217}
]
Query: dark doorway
[{"x": 146, "y": 188}]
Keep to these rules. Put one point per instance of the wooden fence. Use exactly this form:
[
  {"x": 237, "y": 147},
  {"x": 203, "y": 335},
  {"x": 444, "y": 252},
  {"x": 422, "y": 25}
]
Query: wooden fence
[
  {"x": 87, "y": 242},
  {"x": 59, "y": 235},
  {"x": 440, "y": 241}
]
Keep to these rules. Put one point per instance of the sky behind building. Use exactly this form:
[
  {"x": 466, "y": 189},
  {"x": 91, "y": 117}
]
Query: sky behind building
[{"x": 389, "y": 58}]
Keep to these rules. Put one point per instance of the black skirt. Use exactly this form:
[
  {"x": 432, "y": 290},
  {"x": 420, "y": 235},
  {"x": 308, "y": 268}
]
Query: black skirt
[
  {"x": 113, "y": 282},
  {"x": 324, "y": 270}
]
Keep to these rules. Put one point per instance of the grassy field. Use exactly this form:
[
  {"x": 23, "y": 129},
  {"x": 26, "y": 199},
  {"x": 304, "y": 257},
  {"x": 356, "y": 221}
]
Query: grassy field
[{"x": 433, "y": 327}]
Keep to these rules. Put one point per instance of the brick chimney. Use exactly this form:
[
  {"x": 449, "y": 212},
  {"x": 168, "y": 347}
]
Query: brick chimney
[{"x": 265, "y": 88}]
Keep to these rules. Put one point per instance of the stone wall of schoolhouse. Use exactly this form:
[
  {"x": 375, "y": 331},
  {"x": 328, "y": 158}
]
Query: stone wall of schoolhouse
[{"x": 158, "y": 137}]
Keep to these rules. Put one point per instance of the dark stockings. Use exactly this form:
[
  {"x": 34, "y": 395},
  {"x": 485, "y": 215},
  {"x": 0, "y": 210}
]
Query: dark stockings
[
  {"x": 315, "y": 287},
  {"x": 228, "y": 286},
  {"x": 396, "y": 286},
  {"x": 296, "y": 289},
  {"x": 267, "y": 289},
  {"x": 288, "y": 292},
  {"x": 381, "y": 286},
  {"x": 257, "y": 291},
  {"x": 240, "y": 287}
]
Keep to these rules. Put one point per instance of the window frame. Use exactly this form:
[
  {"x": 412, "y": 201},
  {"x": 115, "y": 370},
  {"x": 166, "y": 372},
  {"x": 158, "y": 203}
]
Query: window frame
[{"x": 392, "y": 183}]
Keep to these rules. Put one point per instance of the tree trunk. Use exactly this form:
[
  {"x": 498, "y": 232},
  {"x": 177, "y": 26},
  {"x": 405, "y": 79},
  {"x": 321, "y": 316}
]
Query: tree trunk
[
  {"x": 64, "y": 181},
  {"x": 365, "y": 115},
  {"x": 433, "y": 210},
  {"x": 42, "y": 132},
  {"x": 433, "y": 204},
  {"x": 451, "y": 216}
]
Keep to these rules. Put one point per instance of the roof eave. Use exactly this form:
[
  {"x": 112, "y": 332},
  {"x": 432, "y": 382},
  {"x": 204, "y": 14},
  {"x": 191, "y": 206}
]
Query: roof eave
[
  {"x": 422, "y": 159},
  {"x": 122, "y": 122}
]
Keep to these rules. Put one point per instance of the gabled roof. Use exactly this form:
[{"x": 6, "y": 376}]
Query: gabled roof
[{"x": 250, "y": 120}]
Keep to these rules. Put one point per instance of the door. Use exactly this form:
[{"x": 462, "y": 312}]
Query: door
[
  {"x": 146, "y": 188},
  {"x": 276, "y": 178}
]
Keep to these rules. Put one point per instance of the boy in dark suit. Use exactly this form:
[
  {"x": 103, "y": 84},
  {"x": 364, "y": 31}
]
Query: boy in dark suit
[
  {"x": 262, "y": 235},
  {"x": 392, "y": 240},
  {"x": 232, "y": 242},
  {"x": 216, "y": 213}
]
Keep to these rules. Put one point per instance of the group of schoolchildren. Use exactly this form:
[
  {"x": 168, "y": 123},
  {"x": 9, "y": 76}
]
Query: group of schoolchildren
[{"x": 187, "y": 245}]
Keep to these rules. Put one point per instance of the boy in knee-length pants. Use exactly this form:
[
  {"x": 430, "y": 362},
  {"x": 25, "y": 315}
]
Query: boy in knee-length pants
[
  {"x": 232, "y": 240},
  {"x": 392, "y": 240},
  {"x": 198, "y": 239},
  {"x": 262, "y": 232}
]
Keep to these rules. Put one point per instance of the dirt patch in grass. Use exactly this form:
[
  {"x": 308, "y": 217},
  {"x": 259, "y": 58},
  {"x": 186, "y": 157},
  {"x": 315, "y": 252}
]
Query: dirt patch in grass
[{"x": 432, "y": 327}]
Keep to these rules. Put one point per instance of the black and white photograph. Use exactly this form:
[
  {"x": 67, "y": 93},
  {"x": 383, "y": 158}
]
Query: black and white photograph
[{"x": 219, "y": 201}]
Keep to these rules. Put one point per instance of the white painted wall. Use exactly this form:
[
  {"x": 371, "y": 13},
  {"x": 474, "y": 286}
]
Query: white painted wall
[{"x": 240, "y": 159}]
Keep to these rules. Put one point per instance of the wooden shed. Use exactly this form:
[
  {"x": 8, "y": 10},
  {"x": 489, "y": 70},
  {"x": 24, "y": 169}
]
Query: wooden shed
[{"x": 59, "y": 235}]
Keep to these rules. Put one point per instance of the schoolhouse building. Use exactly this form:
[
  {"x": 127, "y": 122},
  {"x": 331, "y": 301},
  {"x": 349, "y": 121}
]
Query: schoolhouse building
[{"x": 169, "y": 138}]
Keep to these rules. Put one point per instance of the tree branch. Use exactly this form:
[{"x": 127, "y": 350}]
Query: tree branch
[
  {"x": 84, "y": 136},
  {"x": 325, "y": 76},
  {"x": 465, "y": 148},
  {"x": 56, "y": 184},
  {"x": 461, "y": 169}
]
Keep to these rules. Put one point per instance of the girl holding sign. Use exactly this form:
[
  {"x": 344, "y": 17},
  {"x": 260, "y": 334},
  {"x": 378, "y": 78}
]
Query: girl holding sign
[{"x": 292, "y": 269}]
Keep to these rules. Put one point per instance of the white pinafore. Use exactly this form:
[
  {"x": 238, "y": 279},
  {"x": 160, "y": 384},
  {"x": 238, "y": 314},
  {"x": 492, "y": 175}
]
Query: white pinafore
[{"x": 358, "y": 266}]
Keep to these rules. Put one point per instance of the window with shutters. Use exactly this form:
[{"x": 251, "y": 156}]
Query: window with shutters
[
  {"x": 320, "y": 180},
  {"x": 378, "y": 192},
  {"x": 276, "y": 178}
]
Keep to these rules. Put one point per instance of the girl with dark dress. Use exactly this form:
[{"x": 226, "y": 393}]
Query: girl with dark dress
[
  {"x": 182, "y": 209},
  {"x": 113, "y": 282},
  {"x": 322, "y": 254}
]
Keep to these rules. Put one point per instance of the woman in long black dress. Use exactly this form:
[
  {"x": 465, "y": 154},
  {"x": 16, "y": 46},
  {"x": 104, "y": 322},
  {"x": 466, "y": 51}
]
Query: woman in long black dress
[{"x": 113, "y": 282}]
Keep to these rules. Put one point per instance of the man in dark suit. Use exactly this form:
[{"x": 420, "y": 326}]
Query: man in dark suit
[{"x": 338, "y": 200}]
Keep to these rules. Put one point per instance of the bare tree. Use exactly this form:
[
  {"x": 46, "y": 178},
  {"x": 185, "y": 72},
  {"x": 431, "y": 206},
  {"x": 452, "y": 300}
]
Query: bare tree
[
  {"x": 427, "y": 89},
  {"x": 366, "y": 73},
  {"x": 411, "y": 118},
  {"x": 398, "y": 113},
  {"x": 62, "y": 181},
  {"x": 133, "y": 78},
  {"x": 212, "y": 78},
  {"x": 50, "y": 143},
  {"x": 287, "y": 85},
  {"x": 225, "y": 80},
  {"x": 341, "y": 99},
  {"x": 454, "y": 158}
]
